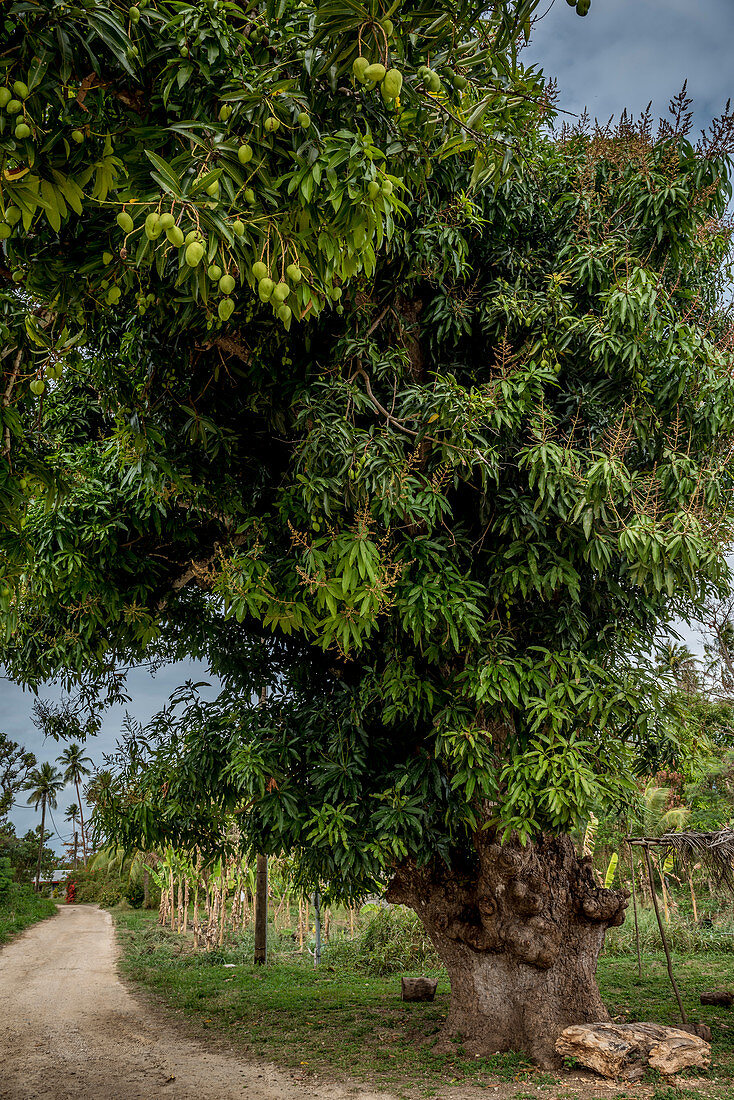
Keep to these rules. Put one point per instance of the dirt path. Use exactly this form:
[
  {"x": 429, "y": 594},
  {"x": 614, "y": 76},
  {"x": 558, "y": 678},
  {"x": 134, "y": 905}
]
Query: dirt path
[{"x": 70, "y": 1029}]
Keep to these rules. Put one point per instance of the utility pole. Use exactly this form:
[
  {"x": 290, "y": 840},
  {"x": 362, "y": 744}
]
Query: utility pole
[{"x": 261, "y": 895}]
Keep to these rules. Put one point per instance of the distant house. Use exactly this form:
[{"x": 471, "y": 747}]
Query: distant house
[{"x": 56, "y": 877}]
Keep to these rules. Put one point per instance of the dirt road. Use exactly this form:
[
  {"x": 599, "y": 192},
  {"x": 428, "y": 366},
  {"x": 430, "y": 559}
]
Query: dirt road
[{"x": 70, "y": 1029}]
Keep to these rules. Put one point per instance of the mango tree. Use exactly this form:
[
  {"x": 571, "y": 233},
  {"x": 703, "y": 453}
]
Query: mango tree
[{"x": 372, "y": 391}]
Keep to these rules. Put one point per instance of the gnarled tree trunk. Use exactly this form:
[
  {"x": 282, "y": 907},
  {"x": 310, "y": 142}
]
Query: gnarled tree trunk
[{"x": 520, "y": 937}]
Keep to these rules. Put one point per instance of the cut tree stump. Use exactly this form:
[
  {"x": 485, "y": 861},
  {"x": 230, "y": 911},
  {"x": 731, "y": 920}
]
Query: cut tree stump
[
  {"x": 719, "y": 997},
  {"x": 418, "y": 989},
  {"x": 626, "y": 1050}
]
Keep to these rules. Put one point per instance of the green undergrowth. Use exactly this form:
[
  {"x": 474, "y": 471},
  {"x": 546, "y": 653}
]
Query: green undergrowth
[
  {"x": 341, "y": 1021},
  {"x": 711, "y": 935},
  {"x": 20, "y": 907}
]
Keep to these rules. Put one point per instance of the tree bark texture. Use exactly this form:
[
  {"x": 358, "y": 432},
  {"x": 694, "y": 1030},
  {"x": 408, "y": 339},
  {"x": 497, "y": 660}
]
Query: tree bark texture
[{"x": 520, "y": 937}]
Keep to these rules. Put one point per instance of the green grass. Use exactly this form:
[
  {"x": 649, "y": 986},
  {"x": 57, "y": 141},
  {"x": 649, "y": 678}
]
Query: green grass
[
  {"x": 19, "y": 908},
  {"x": 340, "y": 1022}
]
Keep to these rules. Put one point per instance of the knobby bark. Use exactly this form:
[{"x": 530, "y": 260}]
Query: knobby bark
[{"x": 520, "y": 936}]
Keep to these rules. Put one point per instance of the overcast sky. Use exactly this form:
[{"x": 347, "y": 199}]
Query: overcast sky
[{"x": 622, "y": 55}]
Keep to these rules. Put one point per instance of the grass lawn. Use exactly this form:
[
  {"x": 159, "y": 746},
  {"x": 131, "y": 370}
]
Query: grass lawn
[
  {"x": 338, "y": 1022},
  {"x": 19, "y": 907}
]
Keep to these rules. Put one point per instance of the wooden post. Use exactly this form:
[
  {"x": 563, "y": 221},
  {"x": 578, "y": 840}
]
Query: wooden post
[
  {"x": 693, "y": 897},
  {"x": 317, "y": 927},
  {"x": 173, "y": 901},
  {"x": 663, "y": 937},
  {"x": 261, "y": 911},
  {"x": 634, "y": 910},
  {"x": 186, "y": 906}
]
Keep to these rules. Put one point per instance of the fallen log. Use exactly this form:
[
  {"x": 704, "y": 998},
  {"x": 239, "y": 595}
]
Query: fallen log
[
  {"x": 626, "y": 1050},
  {"x": 418, "y": 989},
  {"x": 721, "y": 997}
]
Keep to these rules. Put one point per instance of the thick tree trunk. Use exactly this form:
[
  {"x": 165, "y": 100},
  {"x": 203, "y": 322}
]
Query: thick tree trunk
[{"x": 520, "y": 938}]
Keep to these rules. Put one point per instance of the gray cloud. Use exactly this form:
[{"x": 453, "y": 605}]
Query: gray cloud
[{"x": 628, "y": 52}]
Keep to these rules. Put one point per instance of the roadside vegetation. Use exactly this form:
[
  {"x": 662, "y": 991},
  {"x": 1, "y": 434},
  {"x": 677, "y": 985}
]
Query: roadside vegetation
[{"x": 20, "y": 906}]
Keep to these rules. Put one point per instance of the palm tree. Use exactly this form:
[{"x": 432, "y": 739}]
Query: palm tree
[
  {"x": 76, "y": 765},
  {"x": 72, "y": 815},
  {"x": 44, "y": 784}
]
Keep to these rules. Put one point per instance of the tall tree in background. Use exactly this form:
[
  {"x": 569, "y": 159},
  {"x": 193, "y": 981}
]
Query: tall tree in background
[
  {"x": 43, "y": 786},
  {"x": 75, "y": 766},
  {"x": 428, "y": 425},
  {"x": 72, "y": 815},
  {"x": 15, "y": 765}
]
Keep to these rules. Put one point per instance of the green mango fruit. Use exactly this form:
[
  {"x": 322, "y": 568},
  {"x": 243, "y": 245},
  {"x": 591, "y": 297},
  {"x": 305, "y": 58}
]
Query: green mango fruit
[
  {"x": 134, "y": 13},
  {"x": 20, "y": 89},
  {"x": 265, "y": 288},
  {"x": 571, "y": 3},
  {"x": 225, "y": 112},
  {"x": 285, "y": 313},
  {"x": 387, "y": 187},
  {"x": 375, "y": 72},
  {"x": 335, "y": 293},
  {"x": 13, "y": 106},
  {"x": 192, "y": 235},
  {"x": 304, "y": 120},
  {"x": 244, "y": 154},
  {"x": 293, "y": 272},
  {"x": 373, "y": 189},
  {"x": 5, "y": 97},
  {"x": 22, "y": 131},
  {"x": 5, "y": 231},
  {"x": 460, "y": 82},
  {"x": 249, "y": 196},
  {"x": 392, "y": 83},
  {"x": 124, "y": 221},
  {"x": 77, "y": 136},
  {"x": 12, "y": 215},
  {"x": 213, "y": 189},
  {"x": 238, "y": 228},
  {"x": 153, "y": 227},
  {"x": 175, "y": 236},
  {"x": 387, "y": 26},
  {"x": 281, "y": 292},
  {"x": 194, "y": 253},
  {"x": 113, "y": 295},
  {"x": 582, "y": 7},
  {"x": 214, "y": 272},
  {"x": 227, "y": 284},
  {"x": 225, "y": 309},
  {"x": 259, "y": 270},
  {"x": 183, "y": 51},
  {"x": 167, "y": 220},
  {"x": 18, "y": 276},
  {"x": 107, "y": 257},
  {"x": 37, "y": 386},
  {"x": 359, "y": 67},
  {"x": 272, "y": 124}
]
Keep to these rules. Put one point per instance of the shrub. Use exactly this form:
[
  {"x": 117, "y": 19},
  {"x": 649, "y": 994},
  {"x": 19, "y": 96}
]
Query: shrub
[
  {"x": 135, "y": 895},
  {"x": 6, "y": 875},
  {"x": 393, "y": 940},
  {"x": 109, "y": 897}
]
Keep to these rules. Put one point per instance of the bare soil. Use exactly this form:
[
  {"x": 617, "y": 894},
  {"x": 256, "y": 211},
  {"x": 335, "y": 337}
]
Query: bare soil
[{"x": 70, "y": 1029}]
